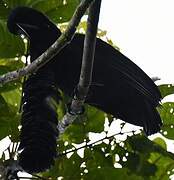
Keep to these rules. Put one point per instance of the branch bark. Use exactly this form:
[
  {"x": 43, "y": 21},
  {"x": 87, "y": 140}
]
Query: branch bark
[
  {"x": 60, "y": 43},
  {"x": 77, "y": 103}
]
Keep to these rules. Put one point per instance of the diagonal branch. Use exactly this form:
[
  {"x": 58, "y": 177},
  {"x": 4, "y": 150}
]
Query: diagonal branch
[
  {"x": 76, "y": 106},
  {"x": 60, "y": 43}
]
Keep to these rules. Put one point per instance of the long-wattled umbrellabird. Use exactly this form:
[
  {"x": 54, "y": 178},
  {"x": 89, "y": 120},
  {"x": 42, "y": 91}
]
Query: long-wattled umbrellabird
[{"x": 119, "y": 87}]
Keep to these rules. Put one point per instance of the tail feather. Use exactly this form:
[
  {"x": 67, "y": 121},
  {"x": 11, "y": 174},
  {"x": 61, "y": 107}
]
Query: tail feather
[{"x": 151, "y": 119}]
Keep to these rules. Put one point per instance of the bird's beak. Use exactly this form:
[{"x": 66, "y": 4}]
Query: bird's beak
[{"x": 26, "y": 28}]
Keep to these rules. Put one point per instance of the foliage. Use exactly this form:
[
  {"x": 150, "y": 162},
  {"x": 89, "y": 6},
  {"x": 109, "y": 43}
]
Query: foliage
[{"x": 120, "y": 156}]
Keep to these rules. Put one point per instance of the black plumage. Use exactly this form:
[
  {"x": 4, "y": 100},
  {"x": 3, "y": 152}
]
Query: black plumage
[
  {"x": 39, "y": 122},
  {"x": 119, "y": 87}
]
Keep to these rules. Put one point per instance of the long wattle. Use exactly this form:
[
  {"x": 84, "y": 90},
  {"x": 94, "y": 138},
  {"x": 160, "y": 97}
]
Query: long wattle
[{"x": 39, "y": 123}]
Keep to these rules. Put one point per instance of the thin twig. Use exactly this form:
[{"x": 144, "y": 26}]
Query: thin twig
[
  {"x": 47, "y": 56},
  {"x": 76, "y": 107},
  {"x": 37, "y": 176},
  {"x": 17, "y": 144},
  {"x": 91, "y": 144},
  {"x": 156, "y": 78},
  {"x": 27, "y": 178}
]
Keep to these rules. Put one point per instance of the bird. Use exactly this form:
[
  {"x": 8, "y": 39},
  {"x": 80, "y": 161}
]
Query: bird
[
  {"x": 39, "y": 120},
  {"x": 119, "y": 87}
]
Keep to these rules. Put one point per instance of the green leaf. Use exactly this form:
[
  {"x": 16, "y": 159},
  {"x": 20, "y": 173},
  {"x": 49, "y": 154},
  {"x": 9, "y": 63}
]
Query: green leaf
[
  {"x": 97, "y": 158},
  {"x": 62, "y": 148},
  {"x": 167, "y": 115},
  {"x": 75, "y": 134},
  {"x": 143, "y": 145},
  {"x": 14, "y": 131},
  {"x": 108, "y": 173},
  {"x": 160, "y": 142},
  {"x": 95, "y": 119},
  {"x": 121, "y": 151},
  {"x": 4, "y": 11},
  {"x": 14, "y": 3},
  {"x": 139, "y": 143},
  {"x": 13, "y": 97},
  {"x": 10, "y": 46},
  {"x": 138, "y": 164},
  {"x": 9, "y": 120},
  {"x": 140, "y": 160},
  {"x": 166, "y": 89},
  {"x": 4, "y": 120},
  {"x": 164, "y": 165},
  {"x": 69, "y": 168},
  {"x": 64, "y": 12},
  {"x": 57, "y": 10}
]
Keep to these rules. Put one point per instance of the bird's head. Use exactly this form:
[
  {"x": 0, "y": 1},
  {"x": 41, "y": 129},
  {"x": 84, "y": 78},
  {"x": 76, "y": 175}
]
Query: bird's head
[
  {"x": 31, "y": 23},
  {"x": 39, "y": 30}
]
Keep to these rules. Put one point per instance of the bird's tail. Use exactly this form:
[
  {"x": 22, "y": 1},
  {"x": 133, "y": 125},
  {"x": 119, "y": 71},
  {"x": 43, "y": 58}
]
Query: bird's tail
[
  {"x": 151, "y": 119},
  {"x": 39, "y": 123}
]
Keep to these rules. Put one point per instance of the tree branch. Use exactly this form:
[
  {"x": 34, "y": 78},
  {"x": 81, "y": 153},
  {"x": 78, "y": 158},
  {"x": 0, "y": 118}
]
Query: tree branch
[
  {"x": 60, "y": 43},
  {"x": 76, "y": 106}
]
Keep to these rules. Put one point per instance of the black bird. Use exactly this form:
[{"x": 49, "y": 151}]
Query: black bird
[
  {"x": 39, "y": 114},
  {"x": 119, "y": 86}
]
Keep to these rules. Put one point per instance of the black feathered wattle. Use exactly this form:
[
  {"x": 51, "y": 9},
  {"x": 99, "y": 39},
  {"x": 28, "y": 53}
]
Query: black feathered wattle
[
  {"x": 119, "y": 86},
  {"x": 39, "y": 122}
]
